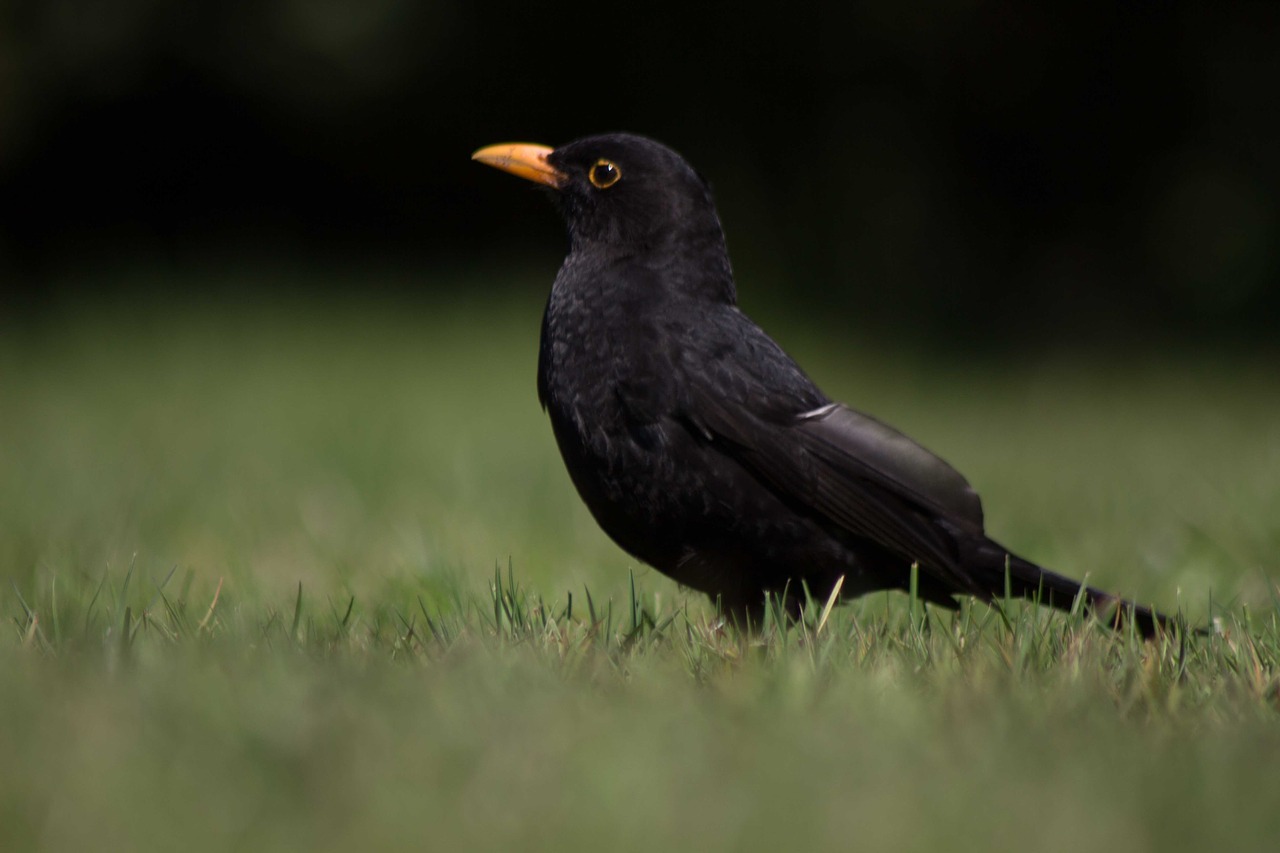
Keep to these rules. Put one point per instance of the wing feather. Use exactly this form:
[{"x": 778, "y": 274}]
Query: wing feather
[{"x": 859, "y": 474}]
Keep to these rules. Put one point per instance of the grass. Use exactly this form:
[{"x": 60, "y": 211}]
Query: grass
[{"x": 307, "y": 574}]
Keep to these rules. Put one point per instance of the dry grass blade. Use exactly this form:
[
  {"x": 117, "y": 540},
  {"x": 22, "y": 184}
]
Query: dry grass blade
[
  {"x": 831, "y": 602},
  {"x": 213, "y": 605}
]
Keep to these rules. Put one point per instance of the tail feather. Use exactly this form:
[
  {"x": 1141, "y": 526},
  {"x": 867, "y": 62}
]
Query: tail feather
[{"x": 997, "y": 569}]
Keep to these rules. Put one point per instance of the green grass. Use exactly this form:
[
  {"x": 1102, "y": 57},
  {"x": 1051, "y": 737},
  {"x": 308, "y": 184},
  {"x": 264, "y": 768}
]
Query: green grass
[{"x": 308, "y": 574}]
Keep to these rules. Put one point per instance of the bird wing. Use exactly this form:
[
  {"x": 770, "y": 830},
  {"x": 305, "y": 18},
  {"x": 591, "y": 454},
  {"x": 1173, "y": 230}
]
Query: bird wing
[
  {"x": 863, "y": 444},
  {"x": 858, "y": 473}
]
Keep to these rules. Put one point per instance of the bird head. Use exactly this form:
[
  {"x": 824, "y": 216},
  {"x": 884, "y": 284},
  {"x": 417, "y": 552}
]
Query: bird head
[{"x": 618, "y": 190}]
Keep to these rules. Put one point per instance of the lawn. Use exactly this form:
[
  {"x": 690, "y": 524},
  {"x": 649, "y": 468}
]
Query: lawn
[{"x": 305, "y": 572}]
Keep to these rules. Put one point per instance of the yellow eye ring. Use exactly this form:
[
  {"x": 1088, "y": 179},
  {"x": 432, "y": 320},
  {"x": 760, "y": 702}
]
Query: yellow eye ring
[{"x": 604, "y": 174}]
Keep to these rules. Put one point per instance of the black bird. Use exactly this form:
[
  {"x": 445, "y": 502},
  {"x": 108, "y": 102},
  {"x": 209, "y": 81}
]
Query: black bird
[{"x": 702, "y": 448}]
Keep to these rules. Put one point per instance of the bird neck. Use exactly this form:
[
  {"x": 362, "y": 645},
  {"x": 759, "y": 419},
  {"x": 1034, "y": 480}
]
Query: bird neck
[{"x": 686, "y": 263}]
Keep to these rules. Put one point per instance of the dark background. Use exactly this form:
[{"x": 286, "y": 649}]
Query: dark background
[{"x": 975, "y": 172}]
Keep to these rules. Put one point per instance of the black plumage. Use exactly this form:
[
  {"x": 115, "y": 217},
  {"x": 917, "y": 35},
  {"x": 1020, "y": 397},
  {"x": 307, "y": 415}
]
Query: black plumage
[{"x": 701, "y": 447}]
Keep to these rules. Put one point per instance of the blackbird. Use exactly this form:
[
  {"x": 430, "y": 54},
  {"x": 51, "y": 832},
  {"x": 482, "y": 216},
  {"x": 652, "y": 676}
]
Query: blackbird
[{"x": 701, "y": 447}]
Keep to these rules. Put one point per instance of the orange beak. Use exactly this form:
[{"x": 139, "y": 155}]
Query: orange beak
[{"x": 522, "y": 160}]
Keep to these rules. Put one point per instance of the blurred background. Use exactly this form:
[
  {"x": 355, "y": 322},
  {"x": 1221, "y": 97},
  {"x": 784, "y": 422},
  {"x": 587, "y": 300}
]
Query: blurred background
[
  {"x": 966, "y": 172},
  {"x": 263, "y": 319}
]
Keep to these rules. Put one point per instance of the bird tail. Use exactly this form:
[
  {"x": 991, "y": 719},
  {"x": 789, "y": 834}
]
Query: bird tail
[{"x": 1000, "y": 571}]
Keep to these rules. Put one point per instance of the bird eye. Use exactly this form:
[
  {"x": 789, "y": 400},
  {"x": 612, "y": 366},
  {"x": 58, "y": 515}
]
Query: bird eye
[{"x": 604, "y": 174}]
